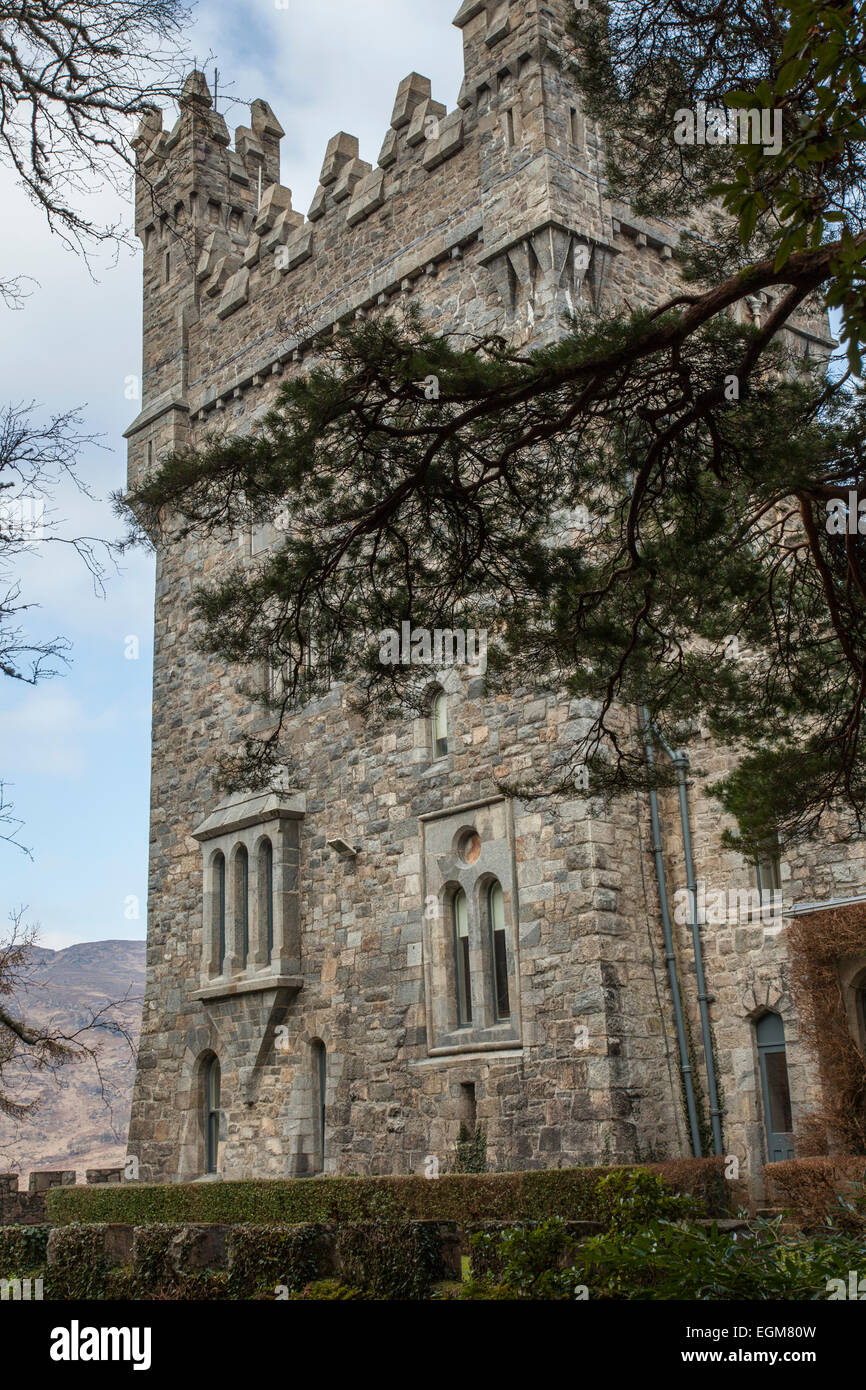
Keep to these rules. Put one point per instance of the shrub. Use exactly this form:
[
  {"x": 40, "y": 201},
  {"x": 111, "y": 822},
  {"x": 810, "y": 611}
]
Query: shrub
[
  {"x": 817, "y": 943},
  {"x": 629, "y": 1200},
  {"x": 22, "y": 1249},
  {"x": 265, "y": 1258},
  {"x": 392, "y": 1260},
  {"x": 78, "y": 1267},
  {"x": 463, "y": 1197},
  {"x": 672, "y": 1262},
  {"x": 669, "y": 1261},
  {"x": 159, "y": 1269},
  {"x": 524, "y": 1262},
  {"x": 820, "y": 1189}
]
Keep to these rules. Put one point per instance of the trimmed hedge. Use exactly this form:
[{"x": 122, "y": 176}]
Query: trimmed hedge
[
  {"x": 164, "y": 1258},
  {"x": 262, "y": 1259},
  {"x": 817, "y": 1188},
  {"x": 376, "y": 1259},
  {"x": 78, "y": 1266},
  {"x": 22, "y": 1249},
  {"x": 462, "y": 1197},
  {"x": 392, "y": 1260}
]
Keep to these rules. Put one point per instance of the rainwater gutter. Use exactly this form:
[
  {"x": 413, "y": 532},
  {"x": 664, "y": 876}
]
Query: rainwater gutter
[
  {"x": 681, "y": 763},
  {"x": 670, "y": 957}
]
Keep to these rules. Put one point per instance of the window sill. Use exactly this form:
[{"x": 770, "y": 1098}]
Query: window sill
[
  {"x": 259, "y": 984},
  {"x": 499, "y": 1039}
]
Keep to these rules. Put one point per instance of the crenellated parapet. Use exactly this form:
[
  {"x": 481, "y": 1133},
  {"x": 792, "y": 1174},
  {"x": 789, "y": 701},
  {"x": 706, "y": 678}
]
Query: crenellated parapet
[
  {"x": 301, "y": 996},
  {"x": 493, "y": 214}
]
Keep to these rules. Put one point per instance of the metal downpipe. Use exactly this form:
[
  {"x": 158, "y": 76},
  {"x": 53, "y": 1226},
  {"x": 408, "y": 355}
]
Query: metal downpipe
[
  {"x": 670, "y": 958},
  {"x": 681, "y": 763}
]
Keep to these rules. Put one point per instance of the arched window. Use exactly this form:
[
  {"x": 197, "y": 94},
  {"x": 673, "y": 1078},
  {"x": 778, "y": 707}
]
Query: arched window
[
  {"x": 219, "y": 872},
  {"x": 320, "y": 1092},
  {"x": 266, "y": 893},
  {"x": 460, "y": 909},
  {"x": 242, "y": 903},
  {"x": 498, "y": 951},
  {"x": 773, "y": 1060},
  {"x": 212, "y": 1114},
  {"x": 439, "y": 724}
]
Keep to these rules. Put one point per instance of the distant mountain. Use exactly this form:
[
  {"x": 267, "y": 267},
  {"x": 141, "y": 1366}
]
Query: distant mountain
[{"x": 83, "y": 1114}]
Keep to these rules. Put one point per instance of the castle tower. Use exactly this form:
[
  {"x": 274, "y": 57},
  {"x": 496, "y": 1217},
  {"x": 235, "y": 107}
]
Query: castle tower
[{"x": 302, "y": 1009}]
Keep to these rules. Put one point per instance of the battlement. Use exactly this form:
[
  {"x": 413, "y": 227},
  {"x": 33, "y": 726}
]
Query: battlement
[
  {"x": 494, "y": 214},
  {"x": 485, "y": 201}
]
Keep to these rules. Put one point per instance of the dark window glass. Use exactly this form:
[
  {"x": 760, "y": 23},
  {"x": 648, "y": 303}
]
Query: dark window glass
[
  {"x": 220, "y": 867},
  {"x": 499, "y": 952},
  {"x": 461, "y": 958},
  {"x": 212, "y": 1113},
  {"x": 320, "y": 1078},
  {"x": 242, "y": 904},
  {"x": 778, "y": 1095},
  {"x": 440, "y": 725},
  {"x": 266, "y": 870}
]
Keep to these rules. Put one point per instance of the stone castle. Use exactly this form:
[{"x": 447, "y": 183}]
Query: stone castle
[{"x": 340, "y": 976}]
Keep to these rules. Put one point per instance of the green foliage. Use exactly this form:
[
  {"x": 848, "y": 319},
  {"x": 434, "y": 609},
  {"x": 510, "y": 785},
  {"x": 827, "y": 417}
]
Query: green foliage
[
  {"x": 391, "y": 1260},
  {"x": 22, "y": 1248},
  {"x": 628, "y": 1201},
  {"x": 568, "y": 1192},
  {"x": 703, "y": 451},
  {"x": 451, "y": 516},
  {"x": 665, "y": 1261},
  {"x": 471, "y": 1154},
  {"x": 264, "y": 1258},
  {"x": 328, "y": 1290},
  {"x": 79, "y": 1268},
  {"x": 803, "y": 61},
  {"x": 530, "y": 1261},
  {"x": 538, "y": 1260}
]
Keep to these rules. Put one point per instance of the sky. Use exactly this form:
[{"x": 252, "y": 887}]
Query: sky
[{"x": 75, "y": 750}]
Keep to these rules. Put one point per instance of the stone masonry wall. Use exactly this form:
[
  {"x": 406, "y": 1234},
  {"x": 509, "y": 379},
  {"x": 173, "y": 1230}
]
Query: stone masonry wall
[{"x": 492, "y": 217}]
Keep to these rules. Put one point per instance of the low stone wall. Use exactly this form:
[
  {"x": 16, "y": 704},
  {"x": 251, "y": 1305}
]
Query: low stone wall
[
  {"x": 203, "y": 1260},
  {"x": 28, "y": 1208}
]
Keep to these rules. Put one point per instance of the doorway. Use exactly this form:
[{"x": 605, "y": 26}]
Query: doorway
[{"x": 775, "y": 1091}]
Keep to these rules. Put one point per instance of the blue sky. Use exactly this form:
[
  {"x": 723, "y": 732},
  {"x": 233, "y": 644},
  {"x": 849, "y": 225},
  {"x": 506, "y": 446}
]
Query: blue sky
[{"x": 76, "y": 749}]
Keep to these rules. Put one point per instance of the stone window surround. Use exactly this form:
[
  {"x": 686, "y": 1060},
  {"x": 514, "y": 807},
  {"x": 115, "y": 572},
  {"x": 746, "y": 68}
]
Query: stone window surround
[
  {"x": 495, "y": 862},
  {"x": 249, "y": 820}
]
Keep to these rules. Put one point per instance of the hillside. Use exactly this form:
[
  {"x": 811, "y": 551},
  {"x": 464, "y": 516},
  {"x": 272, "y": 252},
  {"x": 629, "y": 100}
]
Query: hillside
[{"x": 82, "y": 1120}]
